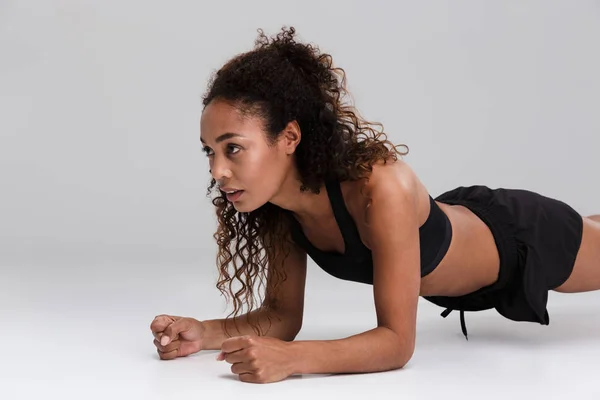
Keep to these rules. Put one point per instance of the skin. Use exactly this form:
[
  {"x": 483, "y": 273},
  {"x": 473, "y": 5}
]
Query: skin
[
  {"x": 242, "y": 162},
  {"x": 388, "y": 211}
]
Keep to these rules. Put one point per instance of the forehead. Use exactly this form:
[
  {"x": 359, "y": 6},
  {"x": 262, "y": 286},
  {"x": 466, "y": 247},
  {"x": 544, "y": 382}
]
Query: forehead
[{"x": 220, "y": 117}]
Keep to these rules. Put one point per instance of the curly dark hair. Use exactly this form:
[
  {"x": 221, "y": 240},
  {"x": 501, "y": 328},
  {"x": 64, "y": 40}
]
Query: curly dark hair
[{"x": 282, "y": 80}]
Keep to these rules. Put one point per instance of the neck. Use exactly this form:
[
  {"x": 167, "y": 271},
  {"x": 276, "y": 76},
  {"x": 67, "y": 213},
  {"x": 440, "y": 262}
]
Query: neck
[{"x": 305, "y": 206}]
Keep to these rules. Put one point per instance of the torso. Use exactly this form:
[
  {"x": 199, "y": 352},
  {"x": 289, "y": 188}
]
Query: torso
[{"x": 472, "y": 261}]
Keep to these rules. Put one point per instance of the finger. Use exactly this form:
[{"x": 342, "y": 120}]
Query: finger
[
  {"x": 236, "y": 356},
  {"x": 172, "y": 331},
  {"x": 158, "y": 335},
  {"x": 236, "y": 343},
  {"x": 240, "y": 368},
  {"x": 249, "y": 378},
  {"x": 174, "y": 345},
  {"x": 160, "y": 322},
  {"x": 167, "y": 355}
]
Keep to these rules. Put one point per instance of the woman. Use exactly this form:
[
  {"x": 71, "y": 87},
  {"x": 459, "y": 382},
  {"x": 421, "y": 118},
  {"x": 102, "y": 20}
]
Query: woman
[{"x": 299, "y": 174}]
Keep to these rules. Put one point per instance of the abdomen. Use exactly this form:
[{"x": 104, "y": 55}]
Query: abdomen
[{"x": 472, "y": 260}]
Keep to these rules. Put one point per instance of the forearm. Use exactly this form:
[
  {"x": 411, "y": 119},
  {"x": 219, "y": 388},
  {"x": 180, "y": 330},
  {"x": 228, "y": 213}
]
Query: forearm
[
  {"x": 280, "y": 326},
  {"x": 379, "y": 349}
]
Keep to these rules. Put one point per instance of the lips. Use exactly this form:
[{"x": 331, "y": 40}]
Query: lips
[
  {"x": 228, "y": 189},
  {"x": 234, "y": 196}
]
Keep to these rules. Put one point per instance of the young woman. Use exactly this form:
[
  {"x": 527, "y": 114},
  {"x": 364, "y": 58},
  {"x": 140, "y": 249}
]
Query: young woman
[{"x": 299, "y": 173}]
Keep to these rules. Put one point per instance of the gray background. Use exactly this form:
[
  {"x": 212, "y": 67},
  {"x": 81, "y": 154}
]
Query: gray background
[{"x": 105, "y": 223}]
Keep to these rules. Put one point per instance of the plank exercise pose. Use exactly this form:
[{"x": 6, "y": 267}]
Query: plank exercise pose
[{"x": 296, "y": 173}]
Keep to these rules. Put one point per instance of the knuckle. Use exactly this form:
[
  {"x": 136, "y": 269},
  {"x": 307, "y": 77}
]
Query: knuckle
[
  {"x": 252, "y": 354},
  {"x": 167, "y": 355},
  {"x": 168, "y": 348},
  {"x": 172, "y": 346},
  {"x": 259, "y": 376}
]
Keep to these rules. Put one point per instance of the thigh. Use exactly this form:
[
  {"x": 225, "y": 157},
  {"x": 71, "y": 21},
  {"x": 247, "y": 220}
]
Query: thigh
[{"x": 586, "y": 271}]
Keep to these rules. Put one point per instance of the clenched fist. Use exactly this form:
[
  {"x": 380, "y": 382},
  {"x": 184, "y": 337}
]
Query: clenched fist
[
  {"x": 177, "y": 336},
  {"x": 258, "y": 359}
]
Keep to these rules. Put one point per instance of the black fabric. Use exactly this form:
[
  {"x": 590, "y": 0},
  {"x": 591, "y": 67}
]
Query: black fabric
[
  {"x": 356, "y": 263},
  {"x": 537, "y": 238}
]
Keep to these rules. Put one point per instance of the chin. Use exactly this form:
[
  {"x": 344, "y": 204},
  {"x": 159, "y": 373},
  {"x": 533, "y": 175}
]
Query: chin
[
  {"x": 242, "y": 206},
  {"x": 239, "y": 208}
]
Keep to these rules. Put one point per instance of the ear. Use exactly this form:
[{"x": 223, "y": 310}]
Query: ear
[{"x": 290, "y": 137}]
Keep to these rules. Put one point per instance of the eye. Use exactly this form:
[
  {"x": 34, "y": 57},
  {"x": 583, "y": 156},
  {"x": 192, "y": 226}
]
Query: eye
[{"x": 233, "y": 147}]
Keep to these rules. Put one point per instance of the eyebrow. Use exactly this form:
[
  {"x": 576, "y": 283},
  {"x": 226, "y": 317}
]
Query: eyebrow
[{"x": 224, "y": 136}]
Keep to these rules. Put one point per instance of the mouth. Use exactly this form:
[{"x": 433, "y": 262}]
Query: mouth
[{"x": 234, "y": 195}]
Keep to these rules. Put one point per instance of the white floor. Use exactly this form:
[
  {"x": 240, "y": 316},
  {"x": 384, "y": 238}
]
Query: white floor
[{"x": 83, "y": 333}]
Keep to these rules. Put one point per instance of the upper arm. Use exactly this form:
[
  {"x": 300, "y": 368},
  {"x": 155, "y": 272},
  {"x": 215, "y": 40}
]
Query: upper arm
[
  {"x": 288, "y": 298},
  {"x": 393, "y": 228}
]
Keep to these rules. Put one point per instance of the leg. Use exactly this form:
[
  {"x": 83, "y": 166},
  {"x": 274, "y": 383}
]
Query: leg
[{"x": 586, "y": 272}]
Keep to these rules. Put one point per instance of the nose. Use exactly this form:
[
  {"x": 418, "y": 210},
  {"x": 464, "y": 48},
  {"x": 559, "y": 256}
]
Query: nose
[{"x": 220, "y": 169}]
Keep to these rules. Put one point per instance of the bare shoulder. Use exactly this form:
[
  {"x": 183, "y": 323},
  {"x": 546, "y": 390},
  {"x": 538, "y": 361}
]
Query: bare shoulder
[{"x": 395, "y": 179}]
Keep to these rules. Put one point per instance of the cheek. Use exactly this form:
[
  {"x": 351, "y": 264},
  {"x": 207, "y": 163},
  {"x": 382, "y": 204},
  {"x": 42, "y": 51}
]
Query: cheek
[
  {"x": 262, "y": 167},
  {"x": 261, "y": 177}
]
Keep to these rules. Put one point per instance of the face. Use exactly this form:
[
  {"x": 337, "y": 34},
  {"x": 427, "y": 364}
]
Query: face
[{"x": 241, "y": 158}]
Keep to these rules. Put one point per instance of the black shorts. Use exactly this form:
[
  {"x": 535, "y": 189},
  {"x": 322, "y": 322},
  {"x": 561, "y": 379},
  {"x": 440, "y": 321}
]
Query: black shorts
[{"x": 537, "y": 238}]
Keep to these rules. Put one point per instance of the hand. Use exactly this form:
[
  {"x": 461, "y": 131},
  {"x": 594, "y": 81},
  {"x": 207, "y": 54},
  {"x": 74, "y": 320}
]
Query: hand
[
  {"x": 258, "y": 359},
  {"x": 177, "y": 336}
]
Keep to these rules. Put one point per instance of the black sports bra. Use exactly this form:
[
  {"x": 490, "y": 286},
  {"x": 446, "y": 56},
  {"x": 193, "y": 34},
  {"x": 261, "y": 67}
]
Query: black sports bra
[{"x": 356, "y": 263}]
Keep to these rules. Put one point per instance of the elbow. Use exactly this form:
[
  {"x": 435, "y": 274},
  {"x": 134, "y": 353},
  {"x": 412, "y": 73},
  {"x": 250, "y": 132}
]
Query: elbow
[
  {"x": 290, "y": 336},
  {"x": 403, "y": 352},
  {"x": 404, "y": 357},
  {"x": 287, "y": 325},
  {"x": 292, "y": 330},
  {"x": 400, "y": 358}
]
